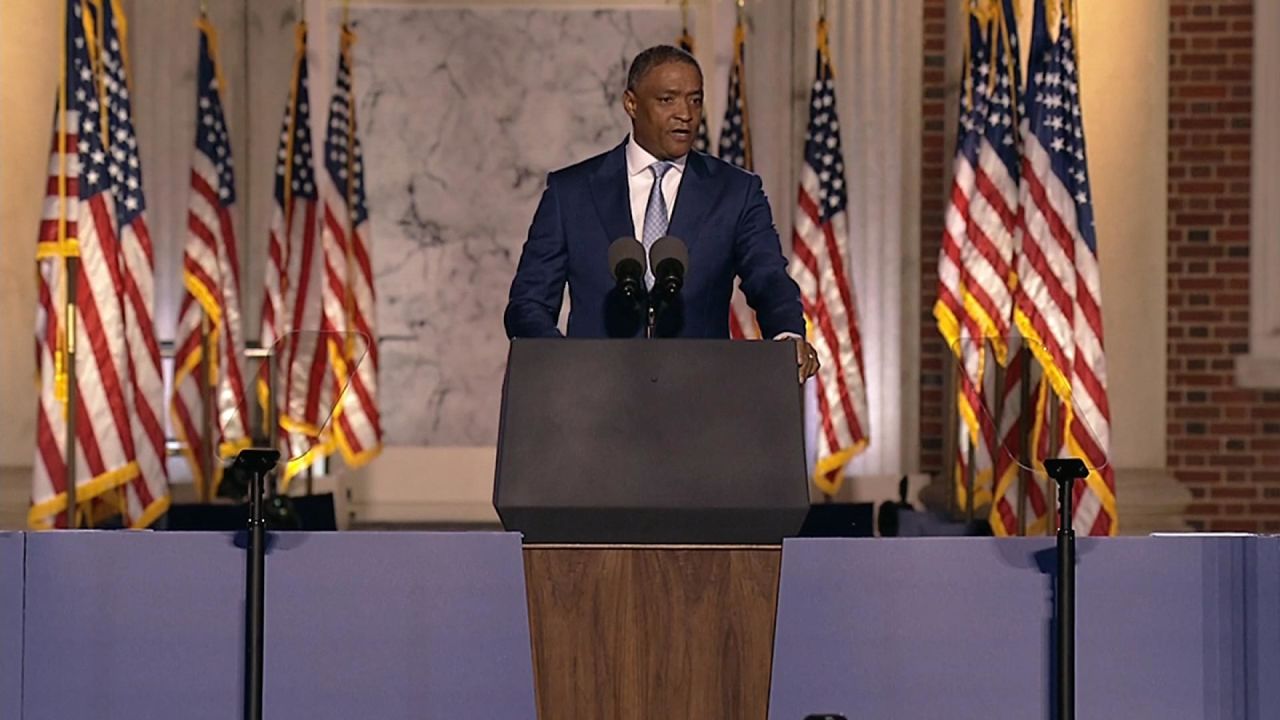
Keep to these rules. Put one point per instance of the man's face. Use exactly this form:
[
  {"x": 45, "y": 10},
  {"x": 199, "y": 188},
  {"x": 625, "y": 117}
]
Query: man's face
[{"x": 666, "y": 108}]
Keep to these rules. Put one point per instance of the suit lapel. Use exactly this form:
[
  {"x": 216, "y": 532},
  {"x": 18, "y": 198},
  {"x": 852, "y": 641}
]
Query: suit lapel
[
  {"x": 610, "y": 193},
  {"x": 698, "y": 193}
]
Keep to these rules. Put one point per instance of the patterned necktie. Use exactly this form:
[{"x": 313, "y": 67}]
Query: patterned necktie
[{"x": 655, "y": 216}]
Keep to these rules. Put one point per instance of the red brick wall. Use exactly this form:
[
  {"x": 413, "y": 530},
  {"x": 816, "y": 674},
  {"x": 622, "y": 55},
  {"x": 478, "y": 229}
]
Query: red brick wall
[
  {"x": 932, "y": 206},
  {"x": 1223, "y": 441}
]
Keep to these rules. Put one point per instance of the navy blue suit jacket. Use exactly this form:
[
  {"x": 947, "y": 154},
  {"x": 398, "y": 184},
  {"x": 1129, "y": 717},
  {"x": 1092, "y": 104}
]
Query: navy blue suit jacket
[{"x": 722, "y": 215}]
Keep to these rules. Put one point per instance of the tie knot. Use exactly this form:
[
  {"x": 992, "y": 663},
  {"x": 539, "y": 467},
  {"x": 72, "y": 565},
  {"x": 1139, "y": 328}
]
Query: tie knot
[{"x": 660, "y": 168}]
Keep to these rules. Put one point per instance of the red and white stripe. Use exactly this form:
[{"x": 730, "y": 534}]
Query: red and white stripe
[
  {"x": 976, "y": 441},
  {"x": 104, "y": 437},
  {"x": 275, "y": 285},
  {"x": 211, "y": 277},
  {"x": 349, "y": 303},
  {"x": 1020, "y": 422},
  {"x": 819, "y": 266},
  {"x": 349, "y": 312},
  {"x": 305, "y": 387},
  {"x": 949, "y": 307},
  {"x": 1059, "y": 304},
  {"x": 300, "y": 354},
  {"x": 147, "y": 494},
  {"x": 975, "y": 300}
]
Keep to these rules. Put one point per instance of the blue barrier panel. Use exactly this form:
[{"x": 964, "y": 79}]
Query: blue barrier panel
[
  {"x": 1263, "y": 634},
  {"x": 1160, "y": 628},
  {"x": 146, "y": 625},
  {"x": 398, "y": 625},
  {"x": 961, "y": 628},
  {"x": 11, "y": 552},
  {"x": 137, "y": 625}
]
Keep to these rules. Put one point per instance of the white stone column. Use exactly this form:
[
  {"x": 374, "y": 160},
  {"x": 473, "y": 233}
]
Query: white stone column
[{"x": 1261, "y": 367}]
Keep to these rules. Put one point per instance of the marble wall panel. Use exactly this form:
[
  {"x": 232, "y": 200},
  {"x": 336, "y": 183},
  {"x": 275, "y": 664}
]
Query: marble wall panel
[{"x": 463, "y": 112}]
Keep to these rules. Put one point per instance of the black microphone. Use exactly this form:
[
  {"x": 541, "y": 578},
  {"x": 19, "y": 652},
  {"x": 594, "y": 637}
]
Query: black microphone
[
  {"x": 626, "y": 260},
  {"x": 669, "y": 258}
]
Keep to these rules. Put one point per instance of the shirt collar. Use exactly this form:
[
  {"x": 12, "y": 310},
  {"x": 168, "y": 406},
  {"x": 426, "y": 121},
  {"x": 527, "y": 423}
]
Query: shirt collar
[{"x": 639, "y": 159}]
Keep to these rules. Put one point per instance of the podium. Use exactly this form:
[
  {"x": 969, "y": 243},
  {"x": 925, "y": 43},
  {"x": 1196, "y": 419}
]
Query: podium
[
  {"x": 651, "y": 441},
  {"x": 653, "y": 481},
  {"x": 646, "y": 631}
]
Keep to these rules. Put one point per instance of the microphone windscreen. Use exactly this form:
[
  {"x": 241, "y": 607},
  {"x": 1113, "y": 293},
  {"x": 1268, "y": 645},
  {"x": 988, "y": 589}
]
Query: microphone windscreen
[
  {"x": 669, "y": 247},
  {"x": 624, "y": 249}
]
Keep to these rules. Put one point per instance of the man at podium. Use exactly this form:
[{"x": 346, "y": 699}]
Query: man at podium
[{"x": 650, "y": 186}]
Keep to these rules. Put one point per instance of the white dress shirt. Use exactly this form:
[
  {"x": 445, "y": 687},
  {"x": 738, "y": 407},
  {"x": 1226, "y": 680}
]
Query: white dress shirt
[{"x": 640, "y": 182}]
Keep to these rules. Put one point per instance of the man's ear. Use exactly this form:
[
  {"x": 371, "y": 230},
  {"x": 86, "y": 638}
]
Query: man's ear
[{"x": 629, "y": 103}]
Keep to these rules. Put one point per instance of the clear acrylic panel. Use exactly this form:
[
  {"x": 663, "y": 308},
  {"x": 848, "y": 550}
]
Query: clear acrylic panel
[
  {"x": 300, "y": 384},
  {"x": 1018, "y": 402}
]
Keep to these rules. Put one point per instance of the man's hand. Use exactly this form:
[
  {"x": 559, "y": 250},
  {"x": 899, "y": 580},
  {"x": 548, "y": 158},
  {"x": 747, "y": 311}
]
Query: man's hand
[{"x": 807, "y": 359}]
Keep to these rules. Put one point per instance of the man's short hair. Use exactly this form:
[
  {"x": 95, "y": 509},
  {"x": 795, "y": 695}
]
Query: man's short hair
[{"x": 653, "y": 57}]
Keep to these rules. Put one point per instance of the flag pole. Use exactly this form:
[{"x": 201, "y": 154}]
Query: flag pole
[
  {"x": 272, "y": 409},
  {"x": 739, "y": 39},
  {"x": 969, "y": 480},
  {"x": 349, "y": 289},
  {"x": 207, "y": 402},
  {"x": 71, "y": 271},
  {"x": 997, "y": 418},
  {"x": 1053, "y": 423},
  {"x": 271, "y": 412},
  {"x": 950, "y": 429},
  {"x": 1024, "y": 436}
]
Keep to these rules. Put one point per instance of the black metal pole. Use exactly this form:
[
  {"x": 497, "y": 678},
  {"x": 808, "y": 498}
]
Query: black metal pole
[
  {"x": 255, "y": 594},
  {"x": 1066, "y": 596},
  {"x": 259, "y": 462},
  {"x": 1065, "y": 472}
]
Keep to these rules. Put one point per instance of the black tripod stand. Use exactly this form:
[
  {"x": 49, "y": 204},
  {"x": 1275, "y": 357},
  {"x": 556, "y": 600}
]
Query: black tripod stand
[{"x": 1065, "y": 471}]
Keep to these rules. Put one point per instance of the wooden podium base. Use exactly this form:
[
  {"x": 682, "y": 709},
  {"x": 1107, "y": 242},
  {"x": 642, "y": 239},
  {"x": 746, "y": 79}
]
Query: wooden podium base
[{"x": 644, "y": 632}]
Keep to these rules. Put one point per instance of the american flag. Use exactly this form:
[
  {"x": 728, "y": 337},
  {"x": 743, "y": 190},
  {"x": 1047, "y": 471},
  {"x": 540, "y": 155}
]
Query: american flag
[
  {"x": 1059, "y": 303},
  {"x": 975, "y": 266},
  {"x": 820, "y": 267},
  {"x": 1020, "y": 432},
  {"x": 735, "y": 148},
  {"x": 210, "y": 270},
  {"x": 291, "y": 306},
  {"x": 147, "y": 495},
  {"x": 293, "y": 164},
  {"x": 348, "y": 290},
  {"x": 78, "y": 248},
  {"x": 703, "y": 139}
]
